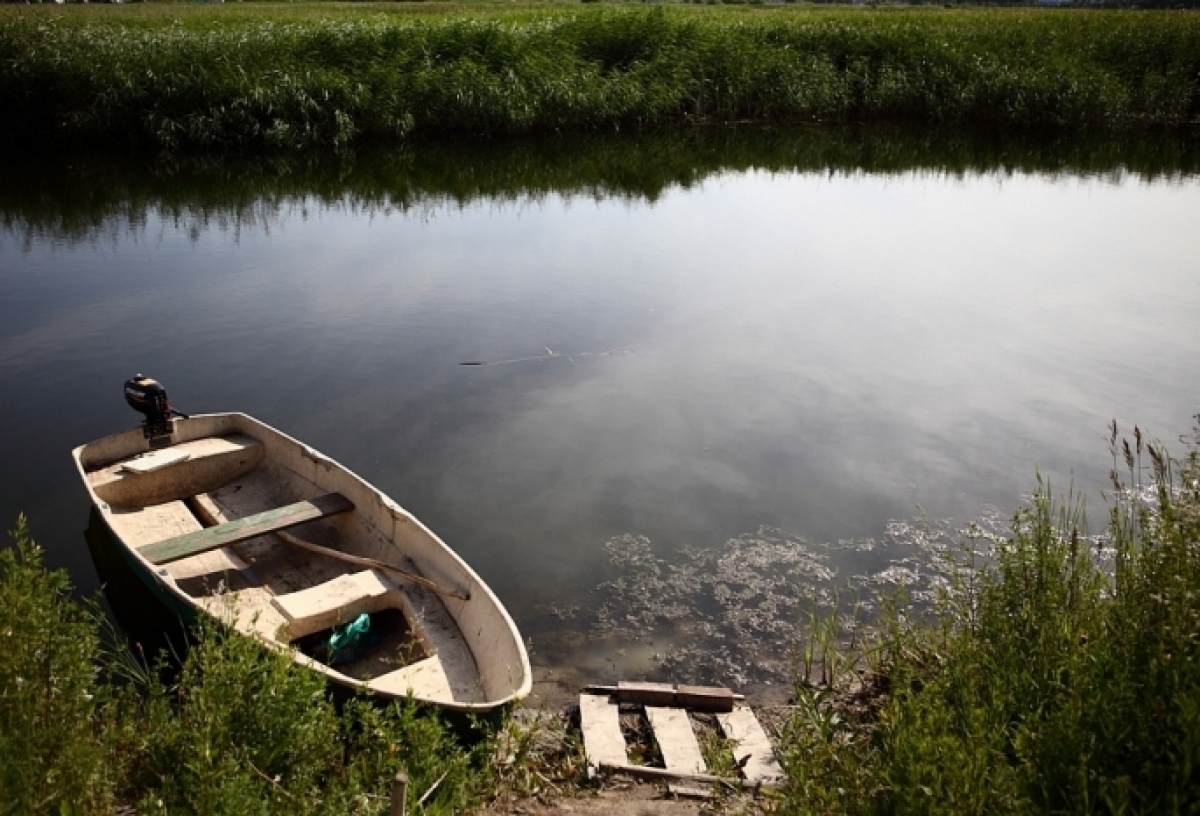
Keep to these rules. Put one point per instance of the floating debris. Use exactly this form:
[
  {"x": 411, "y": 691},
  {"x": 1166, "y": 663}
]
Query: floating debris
[{"x": 737, "y": 613}]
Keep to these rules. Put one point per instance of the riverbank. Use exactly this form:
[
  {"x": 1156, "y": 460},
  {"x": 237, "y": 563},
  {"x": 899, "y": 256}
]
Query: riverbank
[
  {"x": 218, "y": 78},
  {"x": 1059, "y": 674}
]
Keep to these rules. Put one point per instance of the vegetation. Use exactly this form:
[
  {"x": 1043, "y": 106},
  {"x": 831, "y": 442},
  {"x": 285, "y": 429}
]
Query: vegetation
[
  {"x": 85, "y": 727},
  {"x": 288, "y": 78},
  {"x": 1064, "y": 677}
]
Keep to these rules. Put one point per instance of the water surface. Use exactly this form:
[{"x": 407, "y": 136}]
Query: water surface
[{"x": 721, "y": 377}]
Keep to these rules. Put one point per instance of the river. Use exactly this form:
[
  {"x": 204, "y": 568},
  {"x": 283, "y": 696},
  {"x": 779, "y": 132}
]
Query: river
[{"x": 722, "y": 377}]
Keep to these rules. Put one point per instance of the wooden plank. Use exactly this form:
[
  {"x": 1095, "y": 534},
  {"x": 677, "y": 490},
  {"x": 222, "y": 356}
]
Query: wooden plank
[
  {"x": 155, "y": 460},
  {"x": 655, "y": 694},
  {"x": 695, "y": 698},
  {"x": 332, "y": 603},
  {"x": 231, "y": 532},
  {"x": 676, "y": 740},
  {"x": 704, "y": 698},
  {"x": 741, "y": 726},
  {"x": 646, "y": 772},
  {"x": 600, "y": 722}
]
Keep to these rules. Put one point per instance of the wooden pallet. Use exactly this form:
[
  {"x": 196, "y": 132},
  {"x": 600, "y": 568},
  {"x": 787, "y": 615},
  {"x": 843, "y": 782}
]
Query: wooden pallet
[{"x": 605, "y": 747}]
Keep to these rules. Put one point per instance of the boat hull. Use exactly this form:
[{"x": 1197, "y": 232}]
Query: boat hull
[{"x": 453, "y": 645}]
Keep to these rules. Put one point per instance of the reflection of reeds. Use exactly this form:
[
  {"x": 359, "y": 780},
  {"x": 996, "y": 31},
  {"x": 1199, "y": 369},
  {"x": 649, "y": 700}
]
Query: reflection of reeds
[
  {"x": 268, "y": 78},
  {"x": 40, "y": 196}
]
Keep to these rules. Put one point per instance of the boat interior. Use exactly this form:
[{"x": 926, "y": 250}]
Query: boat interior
[{"x": 256, "y": 544}]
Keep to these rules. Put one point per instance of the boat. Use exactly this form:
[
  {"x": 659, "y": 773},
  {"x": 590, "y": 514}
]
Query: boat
[{"x": 225, "y": 515}]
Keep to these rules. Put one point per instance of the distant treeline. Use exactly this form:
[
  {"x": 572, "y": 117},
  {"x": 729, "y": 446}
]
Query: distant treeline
[{"x": 222, "y": 78}]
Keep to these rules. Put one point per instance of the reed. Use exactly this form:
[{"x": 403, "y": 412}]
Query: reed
[
  {"x": 1061, "y": 677},
  {"x": 275, "y": 78}
]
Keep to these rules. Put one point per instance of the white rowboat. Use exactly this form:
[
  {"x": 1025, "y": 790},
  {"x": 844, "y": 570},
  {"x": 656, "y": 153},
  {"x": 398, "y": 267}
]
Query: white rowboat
[{"x": 238, "y": 520}]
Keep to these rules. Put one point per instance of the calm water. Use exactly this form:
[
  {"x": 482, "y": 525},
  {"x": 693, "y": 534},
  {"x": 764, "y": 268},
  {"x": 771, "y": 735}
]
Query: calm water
[{"x": 736, "y": 372}]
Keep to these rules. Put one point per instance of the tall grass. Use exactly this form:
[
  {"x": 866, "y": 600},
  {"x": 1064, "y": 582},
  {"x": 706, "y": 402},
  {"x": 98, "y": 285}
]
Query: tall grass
[
  {"x": 87, "y": 728},
  {"x": 1062, "y": 678},
  {"x": 55, "y": 723},
  {"x": 264, "y": 78}
]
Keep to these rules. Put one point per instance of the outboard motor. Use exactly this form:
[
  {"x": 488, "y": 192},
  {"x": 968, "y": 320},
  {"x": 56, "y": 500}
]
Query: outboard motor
[{"x": 147, "y": 396}]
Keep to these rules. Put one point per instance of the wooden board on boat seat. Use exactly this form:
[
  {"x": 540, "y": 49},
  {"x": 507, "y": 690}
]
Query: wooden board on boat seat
[
  {"x": 174, "y": 473},
  {"x": 156, "y": 460},
  {"x": 333, "y": 602},
  {"x": 231, "y": 532}
]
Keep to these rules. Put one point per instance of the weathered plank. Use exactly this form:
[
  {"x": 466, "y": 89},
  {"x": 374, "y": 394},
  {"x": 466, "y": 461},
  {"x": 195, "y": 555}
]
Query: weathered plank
[
  {"x": 676, "y": 739},
  {"x": 155, "y": 460},
  {"x": 231, "y": 532},
  {"x": 693, "y": 698},
  {"x": 741, "y": 726},
  {"x": 332, "y": 603},
  {"x": 600, "y": 722},
  {"x": 705, "y": 698},
  {"x": 651, "y": 694}
]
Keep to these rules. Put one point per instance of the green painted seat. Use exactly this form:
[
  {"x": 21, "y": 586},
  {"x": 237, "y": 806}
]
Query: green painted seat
[{"x": 231, "y": 532}]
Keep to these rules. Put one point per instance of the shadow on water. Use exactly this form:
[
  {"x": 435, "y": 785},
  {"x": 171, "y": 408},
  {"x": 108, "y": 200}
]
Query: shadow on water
[
  {"x": 45, "y": 196},
  {"x": 149, "y": 625}
]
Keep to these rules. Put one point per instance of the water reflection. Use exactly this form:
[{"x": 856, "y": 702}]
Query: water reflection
[
  {"x": 103, "y": 196},
  {"x": 726, "y": 347}
]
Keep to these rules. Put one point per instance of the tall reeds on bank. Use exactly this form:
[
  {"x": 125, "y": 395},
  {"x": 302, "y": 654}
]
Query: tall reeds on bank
[
  {"x": 269, "y": 78},
  {"x": 1061, "y": 677}
]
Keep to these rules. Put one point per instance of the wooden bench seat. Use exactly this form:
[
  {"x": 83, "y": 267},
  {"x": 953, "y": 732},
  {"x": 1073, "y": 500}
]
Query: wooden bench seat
[
  {"x": 333, "y": 602},
  {"x": 175, "y": 473},
  {"x": 231, "y": 532}
]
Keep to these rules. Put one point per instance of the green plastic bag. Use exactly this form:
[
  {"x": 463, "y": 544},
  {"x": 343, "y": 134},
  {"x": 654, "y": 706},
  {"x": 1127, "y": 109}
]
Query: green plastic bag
[{"x": 346, "y": 637}]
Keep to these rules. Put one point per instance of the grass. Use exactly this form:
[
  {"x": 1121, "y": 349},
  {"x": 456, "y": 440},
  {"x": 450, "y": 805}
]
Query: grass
[
  {"x": 1063, "y": 676},
  {"x": 86, "y": 726},
  {"x": 284, "y": 77}
]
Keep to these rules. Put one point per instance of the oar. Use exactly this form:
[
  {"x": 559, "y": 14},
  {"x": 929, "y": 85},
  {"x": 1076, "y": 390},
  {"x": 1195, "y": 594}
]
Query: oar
[
  {"x": 204, "y": 508},
  {"x": 370, "y": 562}
]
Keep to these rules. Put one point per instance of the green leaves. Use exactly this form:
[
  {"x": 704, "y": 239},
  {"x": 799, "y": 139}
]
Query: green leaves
[
  {"x": 324, "y": 79},
  {"x": 239, "y": 729}
]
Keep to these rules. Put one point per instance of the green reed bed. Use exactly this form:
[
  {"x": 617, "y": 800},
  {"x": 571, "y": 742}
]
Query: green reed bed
[
  {"x": 1061, "y": 676},
  {"x": 284, "y": 77}
]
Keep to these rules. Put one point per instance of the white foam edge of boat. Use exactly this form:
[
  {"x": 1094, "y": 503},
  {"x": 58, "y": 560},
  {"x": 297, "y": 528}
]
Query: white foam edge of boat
[{"x": 384, "y": 530}]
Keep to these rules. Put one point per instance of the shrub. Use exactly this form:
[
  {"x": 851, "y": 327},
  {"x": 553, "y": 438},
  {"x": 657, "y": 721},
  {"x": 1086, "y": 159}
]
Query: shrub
[{"x": 86, "y": 726}]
